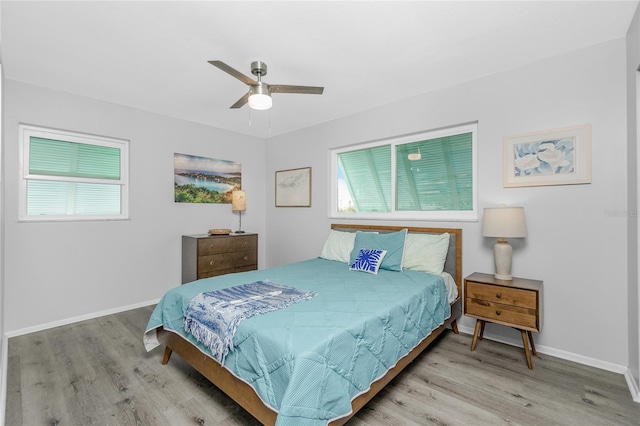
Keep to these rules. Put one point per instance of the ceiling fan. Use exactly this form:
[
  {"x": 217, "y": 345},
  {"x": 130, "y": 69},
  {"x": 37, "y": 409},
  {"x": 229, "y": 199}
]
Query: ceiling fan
[{"x": 259, "y": 94}]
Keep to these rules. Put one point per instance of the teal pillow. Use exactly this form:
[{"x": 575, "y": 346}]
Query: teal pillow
[{"x": 392, "y": 242}]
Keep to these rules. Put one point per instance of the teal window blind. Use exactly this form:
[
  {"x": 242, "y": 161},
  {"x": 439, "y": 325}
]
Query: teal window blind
[
  {"x": 71, "y": 159},
  {"x": 367, "y": 174},
  {"x": 70, "y": 176},
  {"x": 440, "y": 177},
  {"x": 426, "y": 176}
]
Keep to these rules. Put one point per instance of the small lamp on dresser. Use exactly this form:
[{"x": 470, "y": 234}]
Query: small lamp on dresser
[
  {"x": 239, "y": 204},
  {"x": 503, "y": 223}
]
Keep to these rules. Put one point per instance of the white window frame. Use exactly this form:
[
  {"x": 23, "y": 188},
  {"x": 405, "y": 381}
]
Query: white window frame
[
  {"x": 27, "y": 131},
  {"x": 440, "y": 215}
]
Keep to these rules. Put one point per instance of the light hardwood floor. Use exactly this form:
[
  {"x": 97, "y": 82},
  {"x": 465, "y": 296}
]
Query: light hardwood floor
[{"x": 96, "y": 372}]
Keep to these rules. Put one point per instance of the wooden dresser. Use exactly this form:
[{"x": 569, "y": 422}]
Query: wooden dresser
[
  {"x": 205, "y": 255},
  {"x": 515, "y": 303}
]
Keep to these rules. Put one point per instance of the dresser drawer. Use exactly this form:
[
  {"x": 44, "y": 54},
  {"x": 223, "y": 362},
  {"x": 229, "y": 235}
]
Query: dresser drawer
[
  {"x": 205, "y": 256},
  {"x": 218, "y": 245},
  {"x": 503, "y": 295},
  {"x": 238, "y": 259},
  {"x": 497, "y": 312}
]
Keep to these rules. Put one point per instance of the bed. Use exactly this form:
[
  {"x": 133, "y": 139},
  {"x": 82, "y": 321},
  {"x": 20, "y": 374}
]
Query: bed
[{"x": 319, "y": 361}]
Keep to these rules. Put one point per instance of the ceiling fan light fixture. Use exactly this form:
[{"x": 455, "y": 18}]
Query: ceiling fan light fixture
[{"x": 260, "y": 97}]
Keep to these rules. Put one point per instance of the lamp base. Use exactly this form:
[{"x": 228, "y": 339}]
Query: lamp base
[
  {"x": 502, "y": 253},
  {"x": 503, "y": 277},
  {"x": 239, "y": 232}
]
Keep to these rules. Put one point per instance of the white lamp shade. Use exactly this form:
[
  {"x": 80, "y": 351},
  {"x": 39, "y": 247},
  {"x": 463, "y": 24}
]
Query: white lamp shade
[
  {"x": 504, "y": 222},
  {"x": 238, "y": 201}
]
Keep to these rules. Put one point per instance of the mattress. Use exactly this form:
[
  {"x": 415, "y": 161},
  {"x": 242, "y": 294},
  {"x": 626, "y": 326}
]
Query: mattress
[{"x": 310, "y": 360}]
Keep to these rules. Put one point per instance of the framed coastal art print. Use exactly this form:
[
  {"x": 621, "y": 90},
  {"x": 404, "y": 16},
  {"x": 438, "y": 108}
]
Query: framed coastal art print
[
  {"x": 293, "y": 187},
  {"x": 550, "y": 157},
  {"x": 205, "y": 180}
]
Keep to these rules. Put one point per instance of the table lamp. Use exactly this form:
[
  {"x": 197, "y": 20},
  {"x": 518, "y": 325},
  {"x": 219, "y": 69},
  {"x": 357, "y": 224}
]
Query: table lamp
[
  {"x": 503, "y": 223},
  {"x": 238, "y": 204}
]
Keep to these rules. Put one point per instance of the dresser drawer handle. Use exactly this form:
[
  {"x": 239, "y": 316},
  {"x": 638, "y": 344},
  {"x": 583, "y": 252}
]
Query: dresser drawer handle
[
  {"x": 210, "y": 246},
  {"x": 498, "y": 311},
  {"x": 246, "y": 258},
  {"x": 499, "y": 295},
  {"x": 246, "y": 243},
  {"x": 211, "y": 263}
]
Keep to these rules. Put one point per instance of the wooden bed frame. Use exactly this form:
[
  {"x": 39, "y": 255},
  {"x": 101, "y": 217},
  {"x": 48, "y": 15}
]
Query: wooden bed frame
[{"x": 244, "y": 394}]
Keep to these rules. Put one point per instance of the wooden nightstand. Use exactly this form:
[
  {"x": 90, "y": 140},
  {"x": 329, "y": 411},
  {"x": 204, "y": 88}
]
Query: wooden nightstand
[{"x": 516, "y": 303}]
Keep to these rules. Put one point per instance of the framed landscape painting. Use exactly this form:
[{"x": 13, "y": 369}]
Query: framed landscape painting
[
  {"x": 293, "y": 188},
  {"x": 550, "y": 157},
  {"x": 204, "y": 180}
]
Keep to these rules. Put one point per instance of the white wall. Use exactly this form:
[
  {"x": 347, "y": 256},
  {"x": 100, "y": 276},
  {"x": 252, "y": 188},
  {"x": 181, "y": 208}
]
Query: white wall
[
  {"x": 574, "y": 246},
  {"x": 58, "y": 271},
  {"x": 633, "y": 76}
]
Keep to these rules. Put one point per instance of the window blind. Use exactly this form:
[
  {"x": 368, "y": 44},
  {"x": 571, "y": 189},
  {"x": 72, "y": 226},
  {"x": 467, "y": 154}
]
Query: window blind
[
  {"x": 367, "y": 173},
  {"x": 70, "y": 176},
  {"x": 71, "y": 159},
  {"x": 442, "y": 179}
]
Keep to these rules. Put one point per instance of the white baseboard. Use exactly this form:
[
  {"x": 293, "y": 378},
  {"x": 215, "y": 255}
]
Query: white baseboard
[
  {"x": 5, "y": 343},
  {"x": 67, "y": 321},
  {"x": 633, "y": 385},
  {"x": 570, "y": 356}
]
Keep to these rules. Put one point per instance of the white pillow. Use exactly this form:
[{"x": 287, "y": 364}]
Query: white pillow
[
  {"x": 338, "y": 246},
  {"x": 426, "y": 252}
]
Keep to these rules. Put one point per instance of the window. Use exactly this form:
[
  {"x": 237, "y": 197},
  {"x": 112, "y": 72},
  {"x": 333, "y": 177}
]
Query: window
[
  {"x": 72, "y": 176},
  {"x": 426, "y": 176}
]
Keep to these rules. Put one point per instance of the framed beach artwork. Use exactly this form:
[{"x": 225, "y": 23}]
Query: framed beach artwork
[
  {"x": 293, "y": 188},
  {"x": 204, "y": 180},
  {"x": 550, "y": 157}
]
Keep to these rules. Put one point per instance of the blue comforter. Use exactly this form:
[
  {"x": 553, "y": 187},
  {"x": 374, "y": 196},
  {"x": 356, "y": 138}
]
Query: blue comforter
[{"x": 310, "y": 360}]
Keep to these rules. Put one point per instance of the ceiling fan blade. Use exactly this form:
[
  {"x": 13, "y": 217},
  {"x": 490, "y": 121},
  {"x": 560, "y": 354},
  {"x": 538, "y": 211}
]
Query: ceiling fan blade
[
  {"x": 284, "y": 88},
  {"x": 234, "y": 72},
  {"x": 243, "y": 100}
]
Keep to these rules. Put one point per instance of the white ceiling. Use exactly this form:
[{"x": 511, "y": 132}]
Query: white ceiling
[{"x": 152, "y": 55}]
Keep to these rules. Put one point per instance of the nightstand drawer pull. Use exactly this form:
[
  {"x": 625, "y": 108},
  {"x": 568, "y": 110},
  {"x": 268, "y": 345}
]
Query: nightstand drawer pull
[
  {"x": 246, "y": 258},
  {"x": 498, "y": 311},
  {"x": 211, "y": 263},
  {"x": 499, "y": 295}
]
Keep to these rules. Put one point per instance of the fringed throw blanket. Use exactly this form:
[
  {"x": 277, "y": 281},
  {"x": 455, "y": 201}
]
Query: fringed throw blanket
[{"x": 212, "y": 317}]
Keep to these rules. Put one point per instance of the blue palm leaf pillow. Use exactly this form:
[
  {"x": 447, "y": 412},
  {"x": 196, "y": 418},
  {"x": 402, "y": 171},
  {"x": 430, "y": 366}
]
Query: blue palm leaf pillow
[{"x": 368, "y": 261}]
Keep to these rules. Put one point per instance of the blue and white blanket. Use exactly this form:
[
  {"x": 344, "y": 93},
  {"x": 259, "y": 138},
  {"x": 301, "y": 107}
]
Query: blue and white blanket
[{"x": 212, "y": 317}]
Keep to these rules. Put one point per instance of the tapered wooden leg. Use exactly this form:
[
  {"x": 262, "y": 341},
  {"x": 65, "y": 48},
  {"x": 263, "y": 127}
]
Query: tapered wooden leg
[
  {"x": 481, "y": 330},
  {"x": 167, "y": 355},
  {"x": 479, "y": 324},
  {"x": 454, "y": 326},
  {"x": 525, "y": 343},
  {"x": 533, "y": 347}
]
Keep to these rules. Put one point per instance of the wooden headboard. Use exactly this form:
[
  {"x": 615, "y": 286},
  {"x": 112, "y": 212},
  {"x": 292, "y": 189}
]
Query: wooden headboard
[{"x": 453, "y": 263}]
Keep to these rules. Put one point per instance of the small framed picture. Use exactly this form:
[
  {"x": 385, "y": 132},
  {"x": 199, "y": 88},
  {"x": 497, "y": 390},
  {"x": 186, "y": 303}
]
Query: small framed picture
[
  {"x": 550, "y": 157},
  {"x": 293, "y": 187}
]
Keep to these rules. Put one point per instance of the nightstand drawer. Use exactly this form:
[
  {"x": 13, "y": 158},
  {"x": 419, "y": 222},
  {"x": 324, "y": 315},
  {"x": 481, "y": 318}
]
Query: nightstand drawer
[
  {"x": 216, "y": 262},
  {"x": 503, "y": 295},
  {"x": 511, "y": 315}
]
